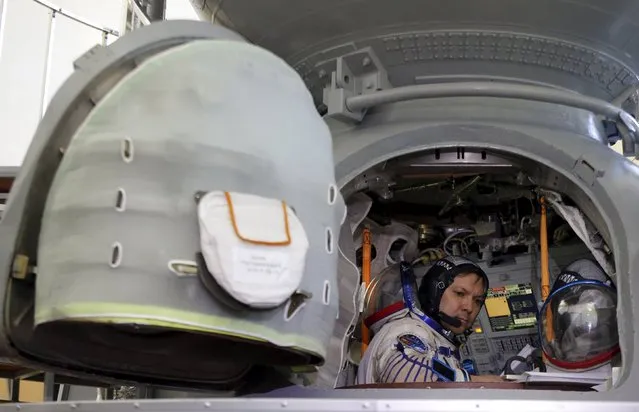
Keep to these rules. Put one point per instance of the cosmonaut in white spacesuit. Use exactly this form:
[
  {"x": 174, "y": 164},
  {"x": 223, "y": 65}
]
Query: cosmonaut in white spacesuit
[{"x": 415, "y": 338}]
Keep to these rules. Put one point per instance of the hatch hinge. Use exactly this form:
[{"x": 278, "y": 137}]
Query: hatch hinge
[{"x": 356, "y": 73}]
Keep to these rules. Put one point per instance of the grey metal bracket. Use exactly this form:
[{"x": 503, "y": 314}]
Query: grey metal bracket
[
  {"x": 586, "y": 172},
  {"x": 356, "y": 74},
  {"x": 626, "y": 95}
]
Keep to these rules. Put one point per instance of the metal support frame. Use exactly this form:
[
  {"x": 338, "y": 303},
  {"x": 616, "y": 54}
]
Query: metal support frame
[
  {"x": 50, "y": 393},
  {"x": 3, "y": 18},
  {"x": 138, "y": 13},
  {"x": 63, "y": 392},
  {"x": 144, "y": 392},
  {"x": 49, "y": 387},
  {"x": 54, "y": 11},
  {"x": 15, "y": 390},
  {"x": 47, "y": 62},
  {"x": 356, "y": 74},
  {"x": 75, "y": 18}
]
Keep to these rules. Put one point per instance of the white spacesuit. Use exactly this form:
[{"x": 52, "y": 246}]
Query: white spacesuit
[
  {"x": 410, "y": 345},
  {"x": 408, "y": 350}
]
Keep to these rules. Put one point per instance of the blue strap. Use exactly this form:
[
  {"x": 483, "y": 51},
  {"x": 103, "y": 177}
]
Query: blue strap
[
  {"x": 443, "y": 350},
  {"x": 469, "y": 366}
]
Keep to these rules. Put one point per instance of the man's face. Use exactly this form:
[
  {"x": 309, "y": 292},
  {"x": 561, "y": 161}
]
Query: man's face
[{"x": 462, "y": 300}]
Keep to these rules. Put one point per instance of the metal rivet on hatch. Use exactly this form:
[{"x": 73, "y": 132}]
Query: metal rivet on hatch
[{"x": 199, "y": 195}]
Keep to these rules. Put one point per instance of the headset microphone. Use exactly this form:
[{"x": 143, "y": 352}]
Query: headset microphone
[{"x": 454, "y": 322}]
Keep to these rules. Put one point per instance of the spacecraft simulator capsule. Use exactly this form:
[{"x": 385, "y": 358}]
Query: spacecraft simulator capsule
[{"x": 179, "y": 216}]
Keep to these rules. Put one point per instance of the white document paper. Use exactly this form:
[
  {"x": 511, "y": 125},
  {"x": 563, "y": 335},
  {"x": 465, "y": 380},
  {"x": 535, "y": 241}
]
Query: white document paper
[{"x": 594, "y": 378}]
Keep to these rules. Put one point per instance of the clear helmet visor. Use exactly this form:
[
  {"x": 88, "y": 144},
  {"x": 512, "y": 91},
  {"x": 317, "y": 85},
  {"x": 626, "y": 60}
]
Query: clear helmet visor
[
  {"x": 384, "y": 290},
  {"x": 578, "y": 325}
]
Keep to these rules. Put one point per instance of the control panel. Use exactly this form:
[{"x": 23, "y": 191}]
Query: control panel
[
  {"x": 511, "y": 307},
  {"x": 508, "y": 320}
]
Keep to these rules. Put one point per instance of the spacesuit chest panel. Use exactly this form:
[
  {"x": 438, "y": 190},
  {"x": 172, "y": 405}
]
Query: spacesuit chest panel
[{"x": 408, "y": 350}]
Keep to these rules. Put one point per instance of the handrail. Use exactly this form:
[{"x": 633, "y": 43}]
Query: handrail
[
  {"x": 57, "y": 9},
  {"x": 496, "y": 89}
]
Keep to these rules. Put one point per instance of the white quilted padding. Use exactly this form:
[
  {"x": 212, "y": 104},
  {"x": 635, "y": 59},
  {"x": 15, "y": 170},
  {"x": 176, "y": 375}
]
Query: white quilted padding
[{"x": 256, "y": 261}]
